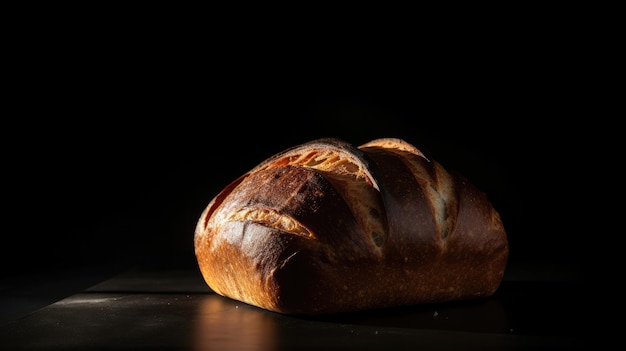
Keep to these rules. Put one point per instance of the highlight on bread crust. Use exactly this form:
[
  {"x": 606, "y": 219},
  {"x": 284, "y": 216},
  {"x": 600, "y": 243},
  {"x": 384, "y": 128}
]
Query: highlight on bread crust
[{"x": 328, "y": 227}]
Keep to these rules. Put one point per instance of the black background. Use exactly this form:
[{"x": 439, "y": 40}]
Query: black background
[{"x": 121, "y": 133}]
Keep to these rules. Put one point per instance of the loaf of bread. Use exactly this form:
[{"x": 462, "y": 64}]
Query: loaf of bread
[{"x": 326, "y": 227}]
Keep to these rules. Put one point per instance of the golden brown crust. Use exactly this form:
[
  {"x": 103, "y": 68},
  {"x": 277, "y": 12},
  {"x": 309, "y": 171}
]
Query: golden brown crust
[{"x": 327, "y": 227}]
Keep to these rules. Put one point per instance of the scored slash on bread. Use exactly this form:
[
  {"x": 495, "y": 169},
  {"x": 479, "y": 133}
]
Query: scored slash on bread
[{"x": 328, "y": 227}]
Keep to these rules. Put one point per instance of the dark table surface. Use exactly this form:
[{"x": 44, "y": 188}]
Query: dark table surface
[{"x": 171, "y": 308}]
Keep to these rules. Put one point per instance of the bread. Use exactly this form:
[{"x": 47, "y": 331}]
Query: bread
[{"x": 326, "y": 227}]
